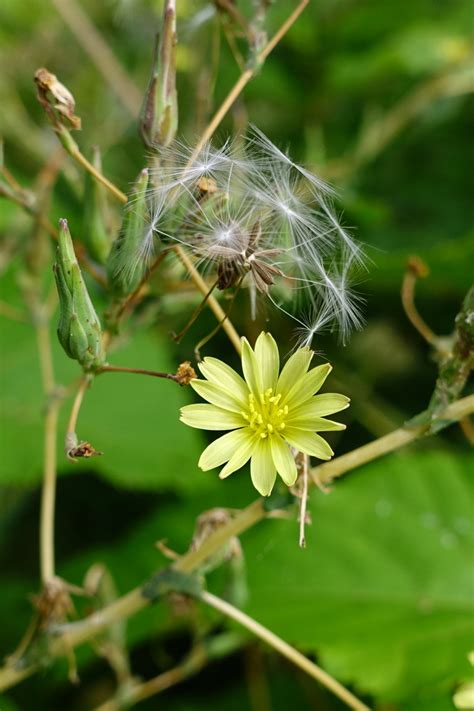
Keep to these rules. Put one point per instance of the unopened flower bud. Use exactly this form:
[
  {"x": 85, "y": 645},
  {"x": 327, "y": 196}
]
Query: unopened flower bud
[
  {"x": 94, "y": 227},
  {"x": 126, "y": 264},
  {"x": 159, "y": 114},
  {"x": 79, "y": 329}
]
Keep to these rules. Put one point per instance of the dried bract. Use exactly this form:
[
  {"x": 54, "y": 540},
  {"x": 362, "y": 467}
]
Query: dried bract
[{"x": 57, "y": 100}]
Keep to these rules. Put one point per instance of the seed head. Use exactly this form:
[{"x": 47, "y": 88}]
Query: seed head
[{"x": 250, "y": 215}]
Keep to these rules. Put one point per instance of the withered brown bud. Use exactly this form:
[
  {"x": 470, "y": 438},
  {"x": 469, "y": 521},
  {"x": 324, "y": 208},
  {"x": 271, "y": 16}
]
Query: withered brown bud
[
  {"x": 185, "y": 373},
  {"x": 57, "y": 100}
]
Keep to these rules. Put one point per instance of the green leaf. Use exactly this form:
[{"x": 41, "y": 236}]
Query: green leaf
[{"x": 384, "y": 591}]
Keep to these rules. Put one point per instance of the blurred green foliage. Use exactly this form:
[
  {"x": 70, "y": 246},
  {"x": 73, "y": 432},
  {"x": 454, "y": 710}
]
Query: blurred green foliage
[{"x": 374, "y": 96}]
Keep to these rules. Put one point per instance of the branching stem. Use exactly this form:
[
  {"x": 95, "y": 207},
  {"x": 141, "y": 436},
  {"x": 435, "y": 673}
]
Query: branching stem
[
  {"x": 243, "y": 80},
  {"x": 73, "y": 634},
  {"x": 325, "y": 473}
]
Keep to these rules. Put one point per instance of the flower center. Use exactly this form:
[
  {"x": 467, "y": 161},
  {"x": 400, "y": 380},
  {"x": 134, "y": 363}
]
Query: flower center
[{"x": 264, "y": 414}]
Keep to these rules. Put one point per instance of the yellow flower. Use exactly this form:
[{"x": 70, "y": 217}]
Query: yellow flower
[{"x": 267, "y": 413}]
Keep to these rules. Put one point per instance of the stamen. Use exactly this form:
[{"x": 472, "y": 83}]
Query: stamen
[{"x": 264, "y": 417}]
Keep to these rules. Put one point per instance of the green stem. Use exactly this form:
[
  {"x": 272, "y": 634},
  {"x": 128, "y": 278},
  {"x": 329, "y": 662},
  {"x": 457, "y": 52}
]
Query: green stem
[
  {"x": 138, "y": 371},
  {"x": 48, "y": 494},
  {"x": 285, "y": 649},
  {"x": 325, "y": 473}
]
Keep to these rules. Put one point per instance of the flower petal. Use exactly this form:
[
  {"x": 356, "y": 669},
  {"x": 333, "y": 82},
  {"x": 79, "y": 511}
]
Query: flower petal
[
  {"x": 320, "y": 406},
  {"x": 268, "y": 359},
  {"x": 219, "y": 373},
  {"x": 250, "y": 369},
  {"x": 308, "y": 442},
  {"x": 305, "y": 388},
  {"x": 294, "y": 369},
  {"x": 223, "y": 448},
  {"x": 313, "y": 424},
  {"x": 210, "y": 417},
  {"x": 216, "y": 395},
  {"x": 283, "y": 460},
  {"x": 240, "y": 457},
  {"x": 262, "y": 469}
]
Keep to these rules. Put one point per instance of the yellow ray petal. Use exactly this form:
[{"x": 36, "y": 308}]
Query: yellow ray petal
[
  {"x": 262, "y": 468},
  {"x": 308, "y": 442},
  {"x": 210, "y": 417},
  {"x": 268, "y": 359},
  {"x": 283, "y": 460},
  {"x": 294, "y": 369},
  {"x": 222, "y": 449}
]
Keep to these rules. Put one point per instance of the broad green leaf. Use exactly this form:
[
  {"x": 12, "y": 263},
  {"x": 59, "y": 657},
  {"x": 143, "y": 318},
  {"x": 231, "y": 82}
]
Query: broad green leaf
[{"x": 384, "y": 591}]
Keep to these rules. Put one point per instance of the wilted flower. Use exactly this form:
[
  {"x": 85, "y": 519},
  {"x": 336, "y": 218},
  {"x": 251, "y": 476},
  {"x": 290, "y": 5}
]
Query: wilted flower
[{"x": 267, "y": 412}]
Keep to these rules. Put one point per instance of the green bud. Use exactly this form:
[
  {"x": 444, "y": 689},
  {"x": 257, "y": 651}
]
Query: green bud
[
  {"x": 79, "y": 330},
  {"x": 159, "y": 114},
  {"x": 126, "y": 265},
  {"x": 94, "y": 227}
]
